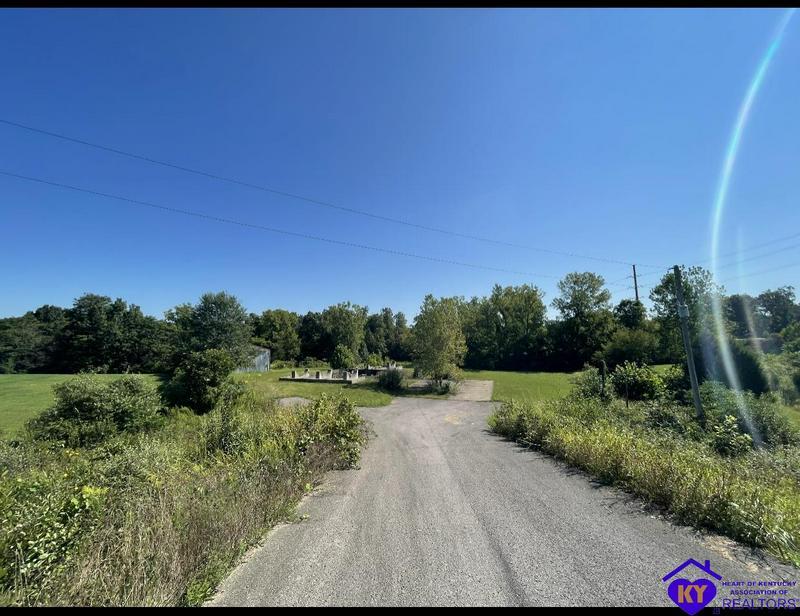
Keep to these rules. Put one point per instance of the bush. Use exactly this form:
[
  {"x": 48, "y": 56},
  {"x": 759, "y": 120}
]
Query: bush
[
  {"x": 727, "y": 440},
  {"x": 636, "y": 345},
  {"x": 391, "y": 379},
  {"x": 374, "y": 359},
  {"x": 198, "y": 380},
  {"x": 760, "y": 416},
  {"x": 343, "y": 358},
  {"x": 676, "y": 384},
  {"x": 159, "y": 519},
  {"x": 88, "y": 410},
  {"x": 632, "y": 382},
  {"x": 588, "y": 384}
]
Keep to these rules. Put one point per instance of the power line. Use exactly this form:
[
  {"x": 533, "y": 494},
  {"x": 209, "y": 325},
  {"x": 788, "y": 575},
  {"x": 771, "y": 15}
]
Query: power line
[
  {"x": 239, "y": 223},
  {"x": 766, "y": 271},
  {"x": 311, "y": 200}
]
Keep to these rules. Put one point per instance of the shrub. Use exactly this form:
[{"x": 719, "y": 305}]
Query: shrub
[
  {"x": 88, "y": 410},
  {"x": 633, "y": 382},
  {"x": 760, "y": 416},
  {"x": 676, "y": 384},
  {"x": 159, "y": 519},
  {"x": 375, "y": 359},
  {"x": 391, "y": 379},
  {"x": 198, "y": 380},
  {"x": 588, "y": 384},
  {"x": 636, "y": 345},
  {"x": 343, "y": 358},
  {"x": 727, "y": 440}
]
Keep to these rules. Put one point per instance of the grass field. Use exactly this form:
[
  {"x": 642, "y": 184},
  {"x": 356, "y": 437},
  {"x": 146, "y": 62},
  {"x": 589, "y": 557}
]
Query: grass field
[
  {"x": 22, "y": 396},
  {"x": 267, "y": 383},
  {"x": 529, "y": 386}
]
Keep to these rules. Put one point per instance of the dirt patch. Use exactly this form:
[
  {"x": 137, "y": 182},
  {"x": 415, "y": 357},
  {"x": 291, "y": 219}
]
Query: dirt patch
[
  {"x": 293, "y": 401},
  {"x": 475, "y": 391}
]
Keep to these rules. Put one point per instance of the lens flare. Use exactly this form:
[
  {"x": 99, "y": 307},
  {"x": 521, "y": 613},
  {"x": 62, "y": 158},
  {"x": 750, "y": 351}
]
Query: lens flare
[{"x": 719, "y": 208}]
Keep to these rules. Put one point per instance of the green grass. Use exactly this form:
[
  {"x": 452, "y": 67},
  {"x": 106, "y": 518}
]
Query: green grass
[
  {"x": 525, "y": 386},
  {"x": 23, "y": 396},
  {"x": 267, "y": 384}
]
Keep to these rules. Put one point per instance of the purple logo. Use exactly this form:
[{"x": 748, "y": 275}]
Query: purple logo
[{"x": 692, "y": 596}]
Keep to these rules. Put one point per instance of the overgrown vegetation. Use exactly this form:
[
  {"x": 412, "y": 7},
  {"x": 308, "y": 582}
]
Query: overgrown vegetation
[
  {"x": 158, "y": 518},
  {"x": 710, "y": 477}
]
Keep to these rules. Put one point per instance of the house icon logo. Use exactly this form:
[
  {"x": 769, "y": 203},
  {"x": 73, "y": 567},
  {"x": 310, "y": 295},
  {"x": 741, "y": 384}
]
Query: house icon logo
[{"x": 692, "y": 597}]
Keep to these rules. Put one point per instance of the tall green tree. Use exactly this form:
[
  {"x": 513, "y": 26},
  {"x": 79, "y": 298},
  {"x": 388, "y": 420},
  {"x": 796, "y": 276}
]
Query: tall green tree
[
  {"x": 344, "y": 325},
  {"x": 278, "y": 330},
  {"x": 218, "y": 321},
  {"x": 586, "y": 319},
  {"x": 437, "y": 341},
  {"x": 778, "y": 308},
  {"x": 698, "y": 291}
]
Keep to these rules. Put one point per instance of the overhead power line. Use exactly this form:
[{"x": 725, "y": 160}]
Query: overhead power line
[
  {"x": 317, "y": 202},
  {"x": 308, "y": 236}
]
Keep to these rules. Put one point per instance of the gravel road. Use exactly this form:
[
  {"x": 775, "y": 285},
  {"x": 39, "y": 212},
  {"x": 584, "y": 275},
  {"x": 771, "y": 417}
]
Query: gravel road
[{"x": 443, "y": 512}]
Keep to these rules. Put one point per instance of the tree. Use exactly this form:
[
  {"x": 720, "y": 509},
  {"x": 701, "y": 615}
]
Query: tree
[
  {"x": 312, "y": 335},
  {"x": 344, "y": 324},
  {"x": 778, "y": 308},
  {"x": 398, "y": 346},
  {"x": 218, "y": 321},
  {"x": 437, "y": 342},
  {"x": 630, "y": 313},
  {"x": 698, "y": 290},
  {"x": 278, "y": 330},
  {"x": 638, "y": 346},
  {"x": 505, "y": 330},
  {"x": 741, "y": 311},
  {"x": 343, "y": 358},
  {"x": 586, "y": 319}
]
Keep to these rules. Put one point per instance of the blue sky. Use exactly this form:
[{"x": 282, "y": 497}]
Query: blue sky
[{"x": 586, "y": 131}]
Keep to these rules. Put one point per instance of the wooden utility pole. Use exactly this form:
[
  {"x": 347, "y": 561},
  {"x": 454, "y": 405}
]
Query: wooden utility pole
[
  {"x": 683, "y": 314},
  {"x": 635, "y": 283}
]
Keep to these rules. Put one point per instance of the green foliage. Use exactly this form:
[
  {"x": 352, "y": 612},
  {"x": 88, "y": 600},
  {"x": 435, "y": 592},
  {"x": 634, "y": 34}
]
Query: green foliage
[
  {"x": 88, "y": 410},
  {"x": 199, "y": 379},
  {"x": 586, "y": 320},
  {"x": 343, "y": 358},
  {"x": 759, "y": 416},
  {"x": 676, "y": 383},
  {"x": 778, "y": 308},
  {"x": 391, "y": 379},
  {"x": 588, "y": 384},
  {"x": 630, "y": 313},
  {"x": 278, "y": 331},
  {"x": 218, "y": 321},
  {"x": 727, "y": 440},
  {"x": 159, "y": 520},
  {"x": 344, "y": 325},
  {"x": 745, "y": 360},
  {"x": 698, "y": 290},
  {"x": 437, "y": 342},
  {"x": 752, "y": 498},
  {"x": 505, "y": 330},
  {"x": 632, "y": 382},
  {"x": 635, "y": 345},
  {"x": 791, "y": 337},
  {"x": 373, "y": 359}
]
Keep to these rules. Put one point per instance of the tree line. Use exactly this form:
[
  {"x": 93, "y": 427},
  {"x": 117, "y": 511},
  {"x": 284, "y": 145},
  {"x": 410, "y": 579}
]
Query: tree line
[{"x": 509, "y": 329}]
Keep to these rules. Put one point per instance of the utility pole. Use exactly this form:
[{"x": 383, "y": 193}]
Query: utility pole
[
  {"x": 683, "y": 314},
  {"x": 635, "y": 283}
]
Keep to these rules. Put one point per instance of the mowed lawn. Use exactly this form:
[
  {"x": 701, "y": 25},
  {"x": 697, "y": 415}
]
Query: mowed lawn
[
  {"x": 267, "y": 383},
  {"x": 22, "y": 396},
  {"x": 528, "y": 386}
]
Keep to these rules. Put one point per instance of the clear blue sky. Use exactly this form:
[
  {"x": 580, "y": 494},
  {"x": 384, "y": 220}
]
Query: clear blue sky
[{"x": 595, "y": 132}]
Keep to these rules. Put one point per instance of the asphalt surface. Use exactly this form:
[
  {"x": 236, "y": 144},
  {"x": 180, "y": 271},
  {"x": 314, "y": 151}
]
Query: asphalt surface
[{"x": 443, "y": 512}]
